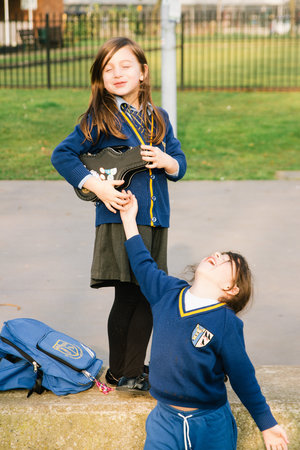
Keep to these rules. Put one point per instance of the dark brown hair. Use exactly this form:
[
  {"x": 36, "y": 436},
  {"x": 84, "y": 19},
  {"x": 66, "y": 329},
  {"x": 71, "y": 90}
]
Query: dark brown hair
[
  {"x": 242, "y": 279},
  {"x": 102, "y": 107}
]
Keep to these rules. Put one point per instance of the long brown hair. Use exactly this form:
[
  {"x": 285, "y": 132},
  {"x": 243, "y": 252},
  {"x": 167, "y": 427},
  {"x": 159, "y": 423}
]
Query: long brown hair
[{"x": 102, "y": 110}]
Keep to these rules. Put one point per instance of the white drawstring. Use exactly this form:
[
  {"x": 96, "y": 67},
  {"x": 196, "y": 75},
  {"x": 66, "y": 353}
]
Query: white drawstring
[{"x": 186, "y": 431}]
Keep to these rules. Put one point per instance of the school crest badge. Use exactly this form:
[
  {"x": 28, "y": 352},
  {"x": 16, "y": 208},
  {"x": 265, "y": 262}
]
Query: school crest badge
[
  {"x": 68, "y": 350},
  {"x": 201, "y": 336}
]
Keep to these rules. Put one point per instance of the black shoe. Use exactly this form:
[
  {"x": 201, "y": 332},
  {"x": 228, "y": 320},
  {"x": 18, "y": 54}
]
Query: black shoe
[
  {"x": 139, "y": 383},
  {"x": 110, "y": 379}
]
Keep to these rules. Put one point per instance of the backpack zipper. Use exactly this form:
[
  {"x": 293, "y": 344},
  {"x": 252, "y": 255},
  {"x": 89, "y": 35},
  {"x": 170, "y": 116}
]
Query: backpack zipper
[
  {"x": 83, "y": 371},
  {"x": 24, "y": 354}
]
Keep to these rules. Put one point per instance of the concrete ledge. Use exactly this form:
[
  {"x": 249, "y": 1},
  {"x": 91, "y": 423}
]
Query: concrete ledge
[{"x": 91, "y": 420}]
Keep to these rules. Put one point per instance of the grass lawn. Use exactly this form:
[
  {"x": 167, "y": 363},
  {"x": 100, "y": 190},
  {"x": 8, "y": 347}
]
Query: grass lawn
[{"x": 248, "y": 135}]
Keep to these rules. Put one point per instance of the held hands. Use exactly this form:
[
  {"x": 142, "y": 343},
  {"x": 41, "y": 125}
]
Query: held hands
[
  {"x": 275, "y": 438},
  {"x": 129, "y": 211},
  {"x": 105, "y": 191},
  {"x": 157, "y": 159},
  {"x": 128, "y": 216},
  {"x": 112, "y": 198}
]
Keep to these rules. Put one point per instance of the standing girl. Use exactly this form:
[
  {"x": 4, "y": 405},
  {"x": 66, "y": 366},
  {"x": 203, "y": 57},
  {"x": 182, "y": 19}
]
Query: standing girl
[{"x": 121, "y": 112}]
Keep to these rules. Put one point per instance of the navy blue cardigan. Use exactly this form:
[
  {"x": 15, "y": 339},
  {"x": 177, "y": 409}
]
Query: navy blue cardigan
[
  {"x": 193, "y": 350},
  {"x": 151, "y": 191}
]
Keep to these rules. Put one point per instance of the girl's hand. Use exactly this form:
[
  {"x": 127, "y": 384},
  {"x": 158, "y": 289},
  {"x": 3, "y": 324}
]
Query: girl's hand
[
  {"x": 157, "y": 159},
  {"x": 130, "y": 210},
  {"x": 275, "y": 438},
  {"x": 128, "y": 216},
  {"x": 105, "y": 191}
]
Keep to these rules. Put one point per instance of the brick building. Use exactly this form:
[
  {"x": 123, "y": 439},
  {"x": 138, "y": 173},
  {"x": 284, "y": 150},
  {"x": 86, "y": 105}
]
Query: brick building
[
  {"x": 23, "y": 21},
  {"x": 14, "y": 9}
]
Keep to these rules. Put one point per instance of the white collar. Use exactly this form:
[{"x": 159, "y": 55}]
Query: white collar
[
  {"x": 194, "y": 302},
  {"x": 120, "y": 101}
]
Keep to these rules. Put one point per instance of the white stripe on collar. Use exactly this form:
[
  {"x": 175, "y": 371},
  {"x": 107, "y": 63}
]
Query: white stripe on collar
[{"x": 192, "y": 302}]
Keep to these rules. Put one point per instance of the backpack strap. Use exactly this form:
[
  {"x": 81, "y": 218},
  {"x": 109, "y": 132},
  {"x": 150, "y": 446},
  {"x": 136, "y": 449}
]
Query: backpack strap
[
  {"x": 11, "y": 358},
  {"x": 38, "y": 388}
]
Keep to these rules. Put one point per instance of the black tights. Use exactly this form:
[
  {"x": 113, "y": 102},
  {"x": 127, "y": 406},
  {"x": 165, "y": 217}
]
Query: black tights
[{"x": 129, "y": 330}]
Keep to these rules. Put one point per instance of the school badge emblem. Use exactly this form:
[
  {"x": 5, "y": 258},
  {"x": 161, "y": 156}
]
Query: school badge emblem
[
  {"x": 201, "y": 336},
  {"x": 68, "y": 350}
]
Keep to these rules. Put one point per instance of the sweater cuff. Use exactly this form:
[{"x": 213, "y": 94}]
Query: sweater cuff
[
  {"x": 265, "y": 421},
  {"x": 84, "y": 180},
  {"x": 135, "y": 240},
  {"x": 134, "y": 244},
  {"x": 78, "y": 174}
]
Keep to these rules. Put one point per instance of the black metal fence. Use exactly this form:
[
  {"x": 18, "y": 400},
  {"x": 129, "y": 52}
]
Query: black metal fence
[{"x": 235, "y": 49}]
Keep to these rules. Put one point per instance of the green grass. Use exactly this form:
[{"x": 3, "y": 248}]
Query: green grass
[
  {"x": 248, "y": 135},
  {"x": 239, "y": 135}
]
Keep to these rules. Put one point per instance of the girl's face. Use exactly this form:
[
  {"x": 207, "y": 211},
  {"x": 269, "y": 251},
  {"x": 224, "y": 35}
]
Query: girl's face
[
  {"x": 122, "y": 75},
  {"x": 219, "y": 269}
]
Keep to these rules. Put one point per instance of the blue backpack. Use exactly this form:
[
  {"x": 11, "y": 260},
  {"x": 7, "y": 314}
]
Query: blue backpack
[{"x": 34, "y": 356}]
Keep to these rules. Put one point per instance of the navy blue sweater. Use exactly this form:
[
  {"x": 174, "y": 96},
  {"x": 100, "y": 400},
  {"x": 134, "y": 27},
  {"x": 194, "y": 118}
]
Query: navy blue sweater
[
  {"x": 151, "y": 191},
  {"x": 193, "y": 350}
]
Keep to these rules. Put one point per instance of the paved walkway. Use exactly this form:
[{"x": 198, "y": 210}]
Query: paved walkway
[{"x": 46, "y": 241}]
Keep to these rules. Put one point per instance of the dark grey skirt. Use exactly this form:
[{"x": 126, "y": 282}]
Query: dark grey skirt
[{"x": 110, "y": 261}]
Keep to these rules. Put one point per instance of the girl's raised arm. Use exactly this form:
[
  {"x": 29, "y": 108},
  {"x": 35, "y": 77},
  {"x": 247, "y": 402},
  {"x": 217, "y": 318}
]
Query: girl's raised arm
[
  {"x": 128, "y": 216},
  {"x": 153, "y": 281}
]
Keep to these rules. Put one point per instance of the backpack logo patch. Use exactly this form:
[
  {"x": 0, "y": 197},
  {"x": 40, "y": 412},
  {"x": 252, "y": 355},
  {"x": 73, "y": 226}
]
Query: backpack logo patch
[
  {"x": 68, "y": 350},
  {"x": 201, "y": 336}
]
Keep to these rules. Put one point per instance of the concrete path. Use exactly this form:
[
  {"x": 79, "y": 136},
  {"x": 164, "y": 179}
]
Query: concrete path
[{"x": 46, "y": 242}]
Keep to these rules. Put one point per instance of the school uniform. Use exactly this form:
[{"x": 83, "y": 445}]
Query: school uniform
[
  {"x": 193, "y": 348},
  {"x": 110, "y": 266},
  {"x": 149, "y": 187}
]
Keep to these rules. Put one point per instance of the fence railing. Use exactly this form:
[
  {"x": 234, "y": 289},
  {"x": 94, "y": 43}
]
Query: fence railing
[{"x": 237, "y": 51}]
